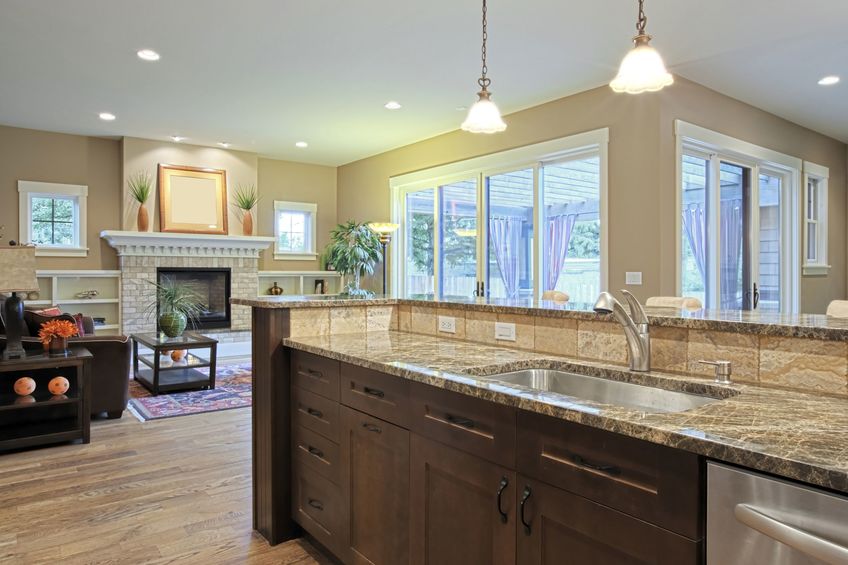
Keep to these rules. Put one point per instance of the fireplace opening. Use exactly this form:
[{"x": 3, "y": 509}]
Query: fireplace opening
[{"x": 213, "y": 288}]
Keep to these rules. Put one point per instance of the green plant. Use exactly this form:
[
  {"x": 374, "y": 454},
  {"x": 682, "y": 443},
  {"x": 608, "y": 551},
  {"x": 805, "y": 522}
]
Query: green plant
[
  {"x": 141, "y": 186},
  {"x": 354, "y": 249},
  {"x": 245, "y": 197},
  {"x": 174, "y": 298}
]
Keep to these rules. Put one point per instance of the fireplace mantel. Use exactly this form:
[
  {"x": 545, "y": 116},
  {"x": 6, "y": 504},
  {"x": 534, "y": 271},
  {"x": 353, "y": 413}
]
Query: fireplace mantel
[{"x": 157, "y": 244}]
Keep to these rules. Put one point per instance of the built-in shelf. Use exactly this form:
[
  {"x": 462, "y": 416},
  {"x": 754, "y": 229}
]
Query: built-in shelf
[{"x": 299, "y": 282}]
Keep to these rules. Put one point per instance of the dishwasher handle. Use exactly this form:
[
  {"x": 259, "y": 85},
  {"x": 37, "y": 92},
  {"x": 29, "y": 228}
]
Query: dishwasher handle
[{"x": 796, "y": 538}]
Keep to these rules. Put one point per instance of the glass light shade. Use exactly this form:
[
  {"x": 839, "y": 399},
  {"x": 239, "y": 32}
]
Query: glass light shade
[
  {"x": 383, "y": 227},
  {"x": 642, "y": 70},
  {"x": 484, "y": 116}
]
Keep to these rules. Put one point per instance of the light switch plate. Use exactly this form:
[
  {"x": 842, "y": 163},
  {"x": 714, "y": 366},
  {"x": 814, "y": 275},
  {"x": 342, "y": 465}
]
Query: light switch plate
[
  {"x": 634, "y": 278},
  {"x": 447, "y": 324},
  {"x": 504, "y": 331}
]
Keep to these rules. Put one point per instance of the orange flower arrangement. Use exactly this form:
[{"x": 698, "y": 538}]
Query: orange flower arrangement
[{"x": 56, "y": 328}]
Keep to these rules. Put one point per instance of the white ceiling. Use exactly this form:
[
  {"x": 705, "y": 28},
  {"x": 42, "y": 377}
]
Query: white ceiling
[{"x": 263, "y": 74}]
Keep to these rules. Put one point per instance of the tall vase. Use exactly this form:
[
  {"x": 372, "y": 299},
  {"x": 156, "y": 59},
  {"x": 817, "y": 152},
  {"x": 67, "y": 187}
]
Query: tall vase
[
  {"x": 247, "y": 223},
  {"x": 143, "y": 220}
]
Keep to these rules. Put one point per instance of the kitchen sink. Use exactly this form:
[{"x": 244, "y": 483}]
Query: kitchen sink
[{"x": 605, "y": 391}]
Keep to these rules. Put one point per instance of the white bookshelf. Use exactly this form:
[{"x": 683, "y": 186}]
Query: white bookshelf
[
  {"x": 299, "y": 282},
  {"x": 59, "y": 288}
]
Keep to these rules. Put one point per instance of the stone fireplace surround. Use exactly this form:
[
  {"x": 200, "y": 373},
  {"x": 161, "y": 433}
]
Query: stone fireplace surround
[{"x": 141, "y": 253}]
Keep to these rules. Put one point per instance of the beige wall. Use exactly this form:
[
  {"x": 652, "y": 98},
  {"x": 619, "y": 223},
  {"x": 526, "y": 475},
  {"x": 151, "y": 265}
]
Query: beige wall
[
  {"x": 295, "y": 182},
  {"x": 641, "y": 171},
  {"x": 69, "y": 159}
]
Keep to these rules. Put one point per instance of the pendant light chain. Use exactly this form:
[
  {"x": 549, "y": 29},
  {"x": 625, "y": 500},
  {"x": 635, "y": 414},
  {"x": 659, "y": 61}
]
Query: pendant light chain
[
  {"x": 484, "y": 82},
  {"x": 643, "y": 19}
]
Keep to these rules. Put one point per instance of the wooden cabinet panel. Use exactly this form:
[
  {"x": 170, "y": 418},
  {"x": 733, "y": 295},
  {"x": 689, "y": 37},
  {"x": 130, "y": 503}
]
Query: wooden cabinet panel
[
  {"x": 316, "y": 453},
  {"x": 316, "y": 374},
  {"x": 565, "y": 529},
  {"x": 375, "y": 489},
  {"x": 656, "y": 483},
  {"x": 381, "y": 395},
  {"x": 317, "y": 507},
  {"x": 472, "y": 425},
  {"x": 454, "y": 508},
  {"x": 316, "y": 413}
]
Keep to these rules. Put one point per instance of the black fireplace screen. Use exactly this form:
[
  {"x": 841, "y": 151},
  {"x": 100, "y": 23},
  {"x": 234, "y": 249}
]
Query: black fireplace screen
[{"x": 213, "y": 288}]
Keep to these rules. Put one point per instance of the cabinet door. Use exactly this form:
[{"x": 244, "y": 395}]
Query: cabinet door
[
  {"x": 375, "y": 488},
  {"x": 556, "y": 527},
  {"x": 462, "y": 508}
]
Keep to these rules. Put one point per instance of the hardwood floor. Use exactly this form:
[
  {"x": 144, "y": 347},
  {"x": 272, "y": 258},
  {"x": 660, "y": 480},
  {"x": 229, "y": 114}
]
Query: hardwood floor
[{"x": 166, "y": 491}]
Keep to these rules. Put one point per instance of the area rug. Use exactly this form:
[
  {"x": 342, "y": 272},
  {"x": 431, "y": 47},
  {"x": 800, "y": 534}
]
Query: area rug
[{"x": 232, "y": 390}]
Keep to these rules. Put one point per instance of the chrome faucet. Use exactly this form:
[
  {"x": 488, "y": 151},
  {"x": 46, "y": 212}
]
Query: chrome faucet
[{"x": 635, "y": 327}]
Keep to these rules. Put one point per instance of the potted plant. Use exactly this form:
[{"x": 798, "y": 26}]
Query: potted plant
[
  {"x": 54, "y": 335},
  {"x": 245, "y": 199},
  {"x": 176, "y": 304},
  {"x": 141, "y": 186},
  {"x": 354, "y": 249}
]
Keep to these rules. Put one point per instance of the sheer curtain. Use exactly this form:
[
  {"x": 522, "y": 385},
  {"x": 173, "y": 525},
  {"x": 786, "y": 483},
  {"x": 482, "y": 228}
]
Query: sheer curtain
[
  {"x": 695, "y": 226},
  {"x": 559, "y": 235},
  {"x": 731, "y": 252},
  {"x": 505, "y": 237}
]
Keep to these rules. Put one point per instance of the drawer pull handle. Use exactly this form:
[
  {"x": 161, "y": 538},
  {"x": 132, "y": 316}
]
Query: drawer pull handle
[
  {"x": 524, "y": 497},
  {"x": 315, "y": 451},
  {"x": 460, "y": 421},
  {"x": 316, "y": 504},
  {"x": 608, "y": 469},
  {"x": 314, "y": 412},
  {"x": 375, "y": 392},
  {"x": 501, "y": 489},
  {"x": 371, "y": 428},
  {"x": 312, "y": 373}
]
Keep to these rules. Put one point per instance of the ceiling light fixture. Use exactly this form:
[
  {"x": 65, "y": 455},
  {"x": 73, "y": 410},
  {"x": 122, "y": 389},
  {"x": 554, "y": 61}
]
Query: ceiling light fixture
[
  {"x": 392, "y": 105},
  {"x": 107, "y": 117},
  {"x": 224, "y": 144},
  {"x": 148, "y": 55},
  {"x": 642, "y": 69},
  {"x": 484, "y": 116},
  {"x": 301, "y": 144},
  {"x": 829, "y": 80},
  {"x": 177, "y": 138}
]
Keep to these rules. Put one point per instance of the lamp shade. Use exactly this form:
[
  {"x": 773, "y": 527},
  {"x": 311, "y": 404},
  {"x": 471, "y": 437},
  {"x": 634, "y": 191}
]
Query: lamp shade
[
  {"x": 642, "y": 70},
  {"x": 484, "y": 116},
  {"x": 383, "y": 227},
  {"x": 17, "y": 269}
]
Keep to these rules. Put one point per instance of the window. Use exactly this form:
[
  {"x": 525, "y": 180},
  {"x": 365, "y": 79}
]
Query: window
[
  {"x": 53, "y": 217},
  {"x": 815, "y": 219},
  {"x": 509, "y": 225},
  {"x": 295, "y": 230}
]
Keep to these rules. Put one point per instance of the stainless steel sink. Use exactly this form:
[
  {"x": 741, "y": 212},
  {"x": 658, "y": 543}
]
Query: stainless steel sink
[{"x": 605, "y": 391}]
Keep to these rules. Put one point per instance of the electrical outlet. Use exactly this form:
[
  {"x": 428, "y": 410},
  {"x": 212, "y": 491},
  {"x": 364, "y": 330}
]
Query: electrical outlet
[
  {"x": 634, "y": 278},
  {"x": 447, "y": 324},
  {"x": 504, "y": 331}
]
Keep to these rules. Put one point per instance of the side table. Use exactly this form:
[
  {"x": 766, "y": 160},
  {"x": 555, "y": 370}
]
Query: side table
[{"x": 157, "y": 377}]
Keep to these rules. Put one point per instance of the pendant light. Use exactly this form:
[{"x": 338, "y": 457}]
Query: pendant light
[
  {"x": 642, "y": 69},
  {"x": 484, "y": 116}
]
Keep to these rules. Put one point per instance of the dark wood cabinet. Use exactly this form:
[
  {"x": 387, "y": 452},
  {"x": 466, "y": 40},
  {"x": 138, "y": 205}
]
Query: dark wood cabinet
[
  {"x": 462, "y": 507},
  {"x": 375, "y": 490}
]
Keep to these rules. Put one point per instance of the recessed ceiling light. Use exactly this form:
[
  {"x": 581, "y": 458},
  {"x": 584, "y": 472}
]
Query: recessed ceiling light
[
  {"x": 148, "y": 55},
  {"x": 301, "y": 144},
  {"x": 177, "y": 138},
  {"x": 224, "y": 144},
  {"x": 107, "y": 117},
  {"x": 829, "y": 80},
  {"x": 392, "y": 105}
]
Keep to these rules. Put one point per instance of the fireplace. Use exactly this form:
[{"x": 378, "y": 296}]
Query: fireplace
[{"x": 213, "y": 288}]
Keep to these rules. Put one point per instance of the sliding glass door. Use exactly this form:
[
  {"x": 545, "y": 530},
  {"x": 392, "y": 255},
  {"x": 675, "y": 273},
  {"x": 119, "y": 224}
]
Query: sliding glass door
[
  {"x": 458, "y": 237},
  {"x": 509, "y": 271}
]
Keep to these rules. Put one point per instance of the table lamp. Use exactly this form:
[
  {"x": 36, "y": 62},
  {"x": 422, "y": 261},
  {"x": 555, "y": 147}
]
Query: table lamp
[
  {"x": 17, "y": 274},
  {"x": 385, "y": 231}
]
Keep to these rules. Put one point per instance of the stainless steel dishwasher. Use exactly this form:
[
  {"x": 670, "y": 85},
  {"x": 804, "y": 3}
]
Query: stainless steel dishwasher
[{"x": 753, "y": 519}]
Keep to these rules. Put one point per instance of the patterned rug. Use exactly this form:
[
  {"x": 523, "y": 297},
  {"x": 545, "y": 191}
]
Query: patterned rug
[{"x": 232, "y": 390}]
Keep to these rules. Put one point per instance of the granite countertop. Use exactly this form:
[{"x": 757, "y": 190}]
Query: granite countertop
[
  {"x": 815, "y": 326},
  {"x": 793, "y": 435}
]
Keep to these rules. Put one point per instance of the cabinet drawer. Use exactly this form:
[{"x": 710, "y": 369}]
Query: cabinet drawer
[
  {"x": 316, "y": 413},
  {"x": 316, "y": 374},
  {"x": 377, "y": 394},
  {"x": 316, "y": 453},
  {"x": 658, "y": 484},
  {"x": 472, "y": 425},
  {"x": 317, "y": 506}
]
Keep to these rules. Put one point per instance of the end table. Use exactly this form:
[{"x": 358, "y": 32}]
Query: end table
[{"x": 179, "y": 375}]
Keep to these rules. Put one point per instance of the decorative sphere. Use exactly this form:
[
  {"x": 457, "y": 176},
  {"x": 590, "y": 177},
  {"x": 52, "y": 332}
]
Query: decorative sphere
[
  {"x": 27, "y": 399},
  {"x": 24, "y": 386},
  {"x": 58, "y": 385},
  {"x": 177, "y": 355}
]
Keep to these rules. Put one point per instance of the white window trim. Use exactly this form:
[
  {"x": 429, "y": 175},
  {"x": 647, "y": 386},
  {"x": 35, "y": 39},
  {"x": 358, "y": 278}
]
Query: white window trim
[
  {"x": 27, "y": 190},
  {"x": 526, "y": 157},
  {"x": 718, "y": 146},
  {"x": 822, "y": 175},
  {"x": 312, "y": 210}
]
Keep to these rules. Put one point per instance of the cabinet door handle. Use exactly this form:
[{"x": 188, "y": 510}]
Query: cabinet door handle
[
  {"x": 311, "y": 373},
  {"x": 374, "y": 392},
  {"x": 315, "y": 503},
  {"x": 314, "y": 412},
  {"x": 371, "y": 428},
  {"x": 460, "y": 421},
  {"x": 501, "y": 489},
  {"x": 315, "y": 451},
  {"x": 608, "y": 469},
  {"x": 524, "y": 497}
]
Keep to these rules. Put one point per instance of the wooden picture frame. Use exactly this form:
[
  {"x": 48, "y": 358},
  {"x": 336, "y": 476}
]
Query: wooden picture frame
[{"x": 192, "y": 200}]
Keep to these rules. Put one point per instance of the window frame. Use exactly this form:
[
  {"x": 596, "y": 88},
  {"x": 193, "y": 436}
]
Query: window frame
[
  {"x": 821, "y": 175},
  {"x": 310, "y": 209},
  {"x": 78, "y": 194}
]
